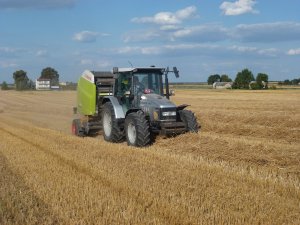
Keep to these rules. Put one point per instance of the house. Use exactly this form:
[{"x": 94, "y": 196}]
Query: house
[
  {"x": 222, "y": 85},
  {"x": 42, "y": 84}
]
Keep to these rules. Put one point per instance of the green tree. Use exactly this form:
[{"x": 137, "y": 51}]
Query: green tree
[
  {"x": 213, "y": 78},
  {"x": 262, "y": 79},
  {"x": 51, "y": 74},
  {"x": 21, "y": 80},
  {"x": 4, "y": 86},
  {"x": 295, "y": 81},
  {"x": 243, "y": 79},
  {"x": 225, "y": 78}
]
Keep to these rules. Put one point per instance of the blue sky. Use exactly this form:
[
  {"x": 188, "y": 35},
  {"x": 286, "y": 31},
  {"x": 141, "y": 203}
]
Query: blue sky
[{"x": 200, "y": 37}]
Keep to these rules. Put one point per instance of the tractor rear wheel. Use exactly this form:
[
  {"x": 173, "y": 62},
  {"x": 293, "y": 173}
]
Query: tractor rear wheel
[
  {"x": 189, "y": 118},
  {"x": 76, "y": 128},
  {"x": 137, "y": 129},
  {"x": 111, "y": 129}
]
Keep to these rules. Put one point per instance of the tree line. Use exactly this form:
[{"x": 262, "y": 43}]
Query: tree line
[
  {"x": 22, "y": 82},
  {"x": 243, "y": 80},
  {"x": 290, "y": 82}
]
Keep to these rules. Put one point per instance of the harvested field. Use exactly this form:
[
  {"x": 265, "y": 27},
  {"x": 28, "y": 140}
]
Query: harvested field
[{"x": 242, "y": 168}]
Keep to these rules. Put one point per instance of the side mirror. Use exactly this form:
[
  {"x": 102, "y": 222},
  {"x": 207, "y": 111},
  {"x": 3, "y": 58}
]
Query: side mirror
[
  {"x": 176, "y": 72},
  {"x": 115, "y": 70},
  {"x": 172, "y": 92}
]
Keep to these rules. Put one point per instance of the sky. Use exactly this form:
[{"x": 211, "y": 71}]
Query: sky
[{"x": 200, "y": 37}]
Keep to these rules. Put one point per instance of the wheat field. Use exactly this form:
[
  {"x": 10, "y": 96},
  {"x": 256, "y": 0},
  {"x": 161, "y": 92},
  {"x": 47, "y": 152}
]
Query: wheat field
[{"x": 242, "y": 168}]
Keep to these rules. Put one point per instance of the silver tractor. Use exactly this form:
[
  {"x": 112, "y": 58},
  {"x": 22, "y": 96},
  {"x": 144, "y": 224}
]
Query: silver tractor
[{"x": 134, "y": 103}]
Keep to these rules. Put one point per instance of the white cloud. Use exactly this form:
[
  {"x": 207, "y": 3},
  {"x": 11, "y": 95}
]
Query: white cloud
[
  {"x": 267, "y": 32},
  {"x": 273, "y": 52},
  {"x": 39, "y": 4},
  {"x": 88, "y": 36},
  {"x": 168, "y": 18},
  {"x": 128, "y": 50},
  {"x": 238, "y": 7},
  {"x": 242, "y": 48},
  {"x": 42, "y": 53},
  {"x": 151, "y": 50},
  {"x": 206, "y": 33},
  {"x": 259, "y": 33},
  {"x": 142, "y": 35},
  {"x": 12, "y": 52},
  {"x": 86, "y": 62},
  {"x": 169, "y": 27},
  {"x": 199, "y": 50},
  {"x": 270, "y": 52},
  {"x": 294, "y": 51},
  {"x": 96, "y": 64},
  {"x": 6, "y": 64}
]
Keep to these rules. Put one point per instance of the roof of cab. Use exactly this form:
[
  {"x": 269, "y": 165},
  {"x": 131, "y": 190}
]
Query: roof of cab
[{"x": 135, "y": 69}]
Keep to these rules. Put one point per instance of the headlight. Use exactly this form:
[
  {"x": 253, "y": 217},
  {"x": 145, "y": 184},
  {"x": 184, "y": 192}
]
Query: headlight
[
  {"x": 169, "y": 113},
  {"x": 155, "y": 115}
]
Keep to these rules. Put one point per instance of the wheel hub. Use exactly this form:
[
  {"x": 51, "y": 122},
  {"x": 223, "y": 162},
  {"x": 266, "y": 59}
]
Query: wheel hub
[
  {"x": 131, "y": 133},
  {"x": 107, "y": 123}
]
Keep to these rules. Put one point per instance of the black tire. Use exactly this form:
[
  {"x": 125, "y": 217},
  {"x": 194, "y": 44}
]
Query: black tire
[
  {"x": 137, "y": 129},
  {"x": 111, "y": 129},
  {"x": 189, "y": 118},
  {"x": 76, "y": 128}
]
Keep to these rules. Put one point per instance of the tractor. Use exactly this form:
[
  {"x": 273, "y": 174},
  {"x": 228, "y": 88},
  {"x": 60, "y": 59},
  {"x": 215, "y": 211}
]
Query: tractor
[{"x": 130, "y": 103}]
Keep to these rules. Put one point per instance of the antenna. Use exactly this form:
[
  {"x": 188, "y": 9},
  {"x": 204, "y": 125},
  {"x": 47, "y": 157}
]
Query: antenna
[{"x": 130, "y": 63}]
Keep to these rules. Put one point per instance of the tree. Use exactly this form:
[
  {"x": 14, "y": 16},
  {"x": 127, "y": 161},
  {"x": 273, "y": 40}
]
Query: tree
[
  {"x": 4, "y": 86},
  {"x": 295, "y": 81},
  {"x": 243, "y": 79},
  {"x": 262, "y": 80},
  {"x": 225, "y": 78},
  {"x": 213, "y": 78},
  {"x": 21, "y": 80},
  {"x": 51, "y": 74}
]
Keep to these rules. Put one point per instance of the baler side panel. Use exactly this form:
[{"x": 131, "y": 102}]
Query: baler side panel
[{"x": 86, "y": 97}]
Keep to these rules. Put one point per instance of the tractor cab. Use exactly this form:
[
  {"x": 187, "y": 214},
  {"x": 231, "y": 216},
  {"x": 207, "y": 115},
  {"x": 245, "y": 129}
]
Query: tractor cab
[{"x": 133, "y": 83}]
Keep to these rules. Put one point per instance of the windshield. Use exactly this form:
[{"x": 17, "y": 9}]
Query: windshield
[
  {"x": 148, "y": 83},
  {"x": 144, "y": 82}
]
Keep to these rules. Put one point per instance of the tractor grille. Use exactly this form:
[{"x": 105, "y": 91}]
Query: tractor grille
[{"x": 167, "y": 114}]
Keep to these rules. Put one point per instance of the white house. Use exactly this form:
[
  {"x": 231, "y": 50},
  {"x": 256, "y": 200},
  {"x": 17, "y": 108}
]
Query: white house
[
  {"x": 222, "y": 85},
  {"x": 42, "y": 84}
]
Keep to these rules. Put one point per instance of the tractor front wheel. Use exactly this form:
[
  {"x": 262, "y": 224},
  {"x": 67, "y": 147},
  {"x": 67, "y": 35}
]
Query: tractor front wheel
[
  {"x": 137, "y": 129},
  {"x": 189, "y": 118}
]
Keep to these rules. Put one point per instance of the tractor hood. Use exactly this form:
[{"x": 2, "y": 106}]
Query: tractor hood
[{"x": 156, "y": 101}]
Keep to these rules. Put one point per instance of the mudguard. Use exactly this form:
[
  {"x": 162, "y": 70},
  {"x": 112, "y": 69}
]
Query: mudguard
[{"x": 119, "y": 113}]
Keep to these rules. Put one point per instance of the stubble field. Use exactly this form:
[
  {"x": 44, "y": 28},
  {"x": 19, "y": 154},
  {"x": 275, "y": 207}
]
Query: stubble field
[{"x": 242, "y": 168}]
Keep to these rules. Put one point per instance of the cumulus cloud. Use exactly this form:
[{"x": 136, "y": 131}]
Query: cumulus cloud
[
  {"x": 39, "y": 4},
  {"x": 42, "y": 53},
  {"x": 97, "y": 64},
  {"x": 142, "y": 35},
  {"x": 203, "y": 33},
  {"x": 6, "y": 64},
  {"x": 271, "y": 52},
  {"x": 11, "y": 52},
  {"x": 238, "y": 7},
  {"x": 294, "y": 51},
  {"x": 168, "y": 18},
  {"x": 259, "y": 33},
  {"x": 199, "y": 49},
  {"x": 267, "y": 32},
  {"x": 88, "y": 36}
]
